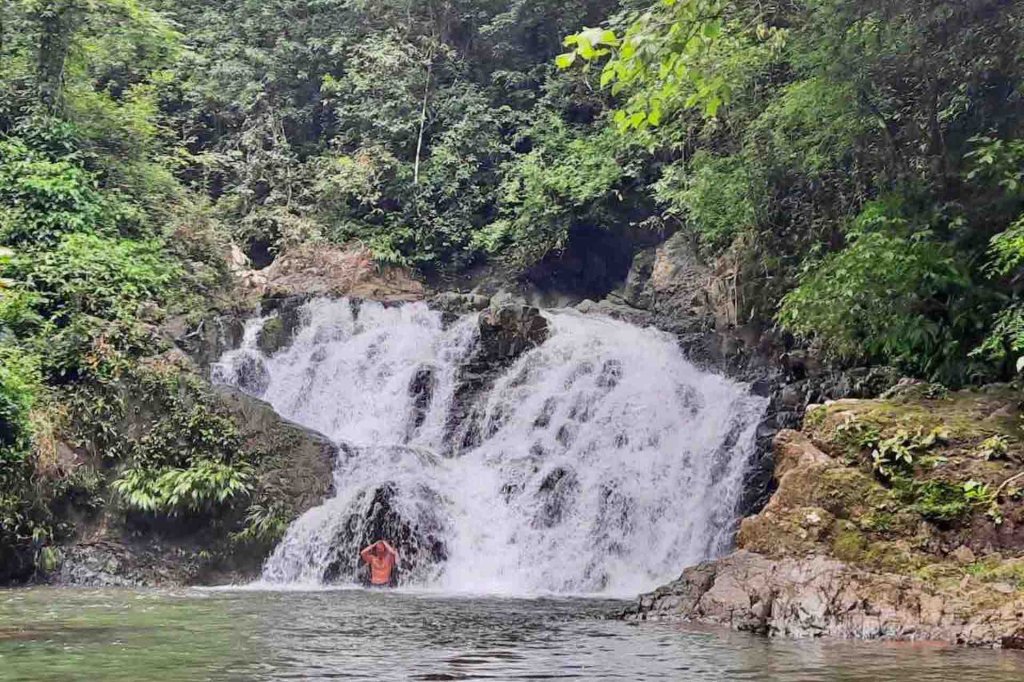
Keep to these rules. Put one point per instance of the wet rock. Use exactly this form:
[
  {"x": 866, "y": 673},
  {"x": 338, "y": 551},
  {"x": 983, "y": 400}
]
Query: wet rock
[
  {"x": 457, "y": 303},
  {"x": 421, "y": 389},
  {"x": 296, "y": 464},
  {"x": 205, "y": 341},
  {"x": 557, "y": 491},
  {"x": 419, "y": 541},
  {"x": 279, "y": 331},
  {"x": 507, "y": 329},
  {"x": 638, "y": 291},
  {"x": 251, "y": 375}
]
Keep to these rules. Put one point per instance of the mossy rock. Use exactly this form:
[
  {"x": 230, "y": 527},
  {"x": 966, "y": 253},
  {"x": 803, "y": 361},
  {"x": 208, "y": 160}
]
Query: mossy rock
[
  {"x": 968, "y": 418},
  {"x": 280, "y": 329},
  {"x": 963, "y": 447}
]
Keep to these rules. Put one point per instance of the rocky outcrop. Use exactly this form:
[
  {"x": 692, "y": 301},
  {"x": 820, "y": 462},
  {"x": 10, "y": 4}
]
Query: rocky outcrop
[
  {"x": 820, "y": 596},
  {"x": 294, "y": 471},
  {"x": 420, "y": 540},
  {"x": 892, "y": 519},
  {"x": 671, "y": 281},
  {"x": 296, "y": 464},
  {"x": 507, "y": 329},
  {"x": 328, "y": 270},
  {"x": 206, "y": 340}
]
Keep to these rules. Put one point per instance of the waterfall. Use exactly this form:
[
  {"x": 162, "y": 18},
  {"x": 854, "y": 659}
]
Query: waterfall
[{"x": 603, "y": 460}]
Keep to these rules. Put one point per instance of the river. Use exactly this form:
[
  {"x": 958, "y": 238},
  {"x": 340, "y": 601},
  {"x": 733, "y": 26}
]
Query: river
[{"x": 49, "y": 634}]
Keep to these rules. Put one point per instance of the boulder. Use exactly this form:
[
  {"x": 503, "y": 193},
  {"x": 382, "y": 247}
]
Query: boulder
[
  {"x": 419, "y": 539},
  {"x": 205, "y": 341},
  {"x": 285, "y": 321},
  {"x": 458, "y": 303},
  {"x": 296, "y": 464},
  {"x": 328, "y": 270},
  {"x": 507, "y": 331}
]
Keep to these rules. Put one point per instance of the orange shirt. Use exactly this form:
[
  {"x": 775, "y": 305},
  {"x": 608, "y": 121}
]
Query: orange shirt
[{"x": 382, "y": 562}]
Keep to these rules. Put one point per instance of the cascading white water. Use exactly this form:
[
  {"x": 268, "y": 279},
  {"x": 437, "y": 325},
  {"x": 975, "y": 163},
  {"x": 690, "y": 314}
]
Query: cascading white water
[{"x": 605, "y": 460}]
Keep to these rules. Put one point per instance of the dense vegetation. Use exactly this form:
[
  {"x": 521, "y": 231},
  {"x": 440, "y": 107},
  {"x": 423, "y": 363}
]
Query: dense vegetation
[{"x": 860, "y": 161}]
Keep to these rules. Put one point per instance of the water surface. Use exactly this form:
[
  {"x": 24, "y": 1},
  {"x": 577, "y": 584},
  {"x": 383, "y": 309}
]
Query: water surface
[{"x": 77, "y": 634}]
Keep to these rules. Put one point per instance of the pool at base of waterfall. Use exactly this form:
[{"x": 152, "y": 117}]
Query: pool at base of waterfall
[{"x": 121, "y": 634}]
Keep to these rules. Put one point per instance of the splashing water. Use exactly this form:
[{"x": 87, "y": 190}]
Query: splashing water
[{"x": 605, "y": 460}]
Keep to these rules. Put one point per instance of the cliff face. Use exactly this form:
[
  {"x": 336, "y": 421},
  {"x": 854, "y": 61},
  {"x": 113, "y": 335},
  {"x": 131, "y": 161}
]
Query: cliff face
[{"x": 899, "y": 518}]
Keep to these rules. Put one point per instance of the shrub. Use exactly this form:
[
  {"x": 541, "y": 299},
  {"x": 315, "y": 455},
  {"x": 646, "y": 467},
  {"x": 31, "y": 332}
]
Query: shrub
[
  {"x": 19, "y": 387},
  {"x": 885, "y": 296},
  {"x": 944, "y": 503},
  {"x": 203, "y": 487},
  {"x": 713, "y": 195},
  {"x": 265, "y": 523},
  {"x": 94, "y": 275},
  {"x": 42, "y": 199}
]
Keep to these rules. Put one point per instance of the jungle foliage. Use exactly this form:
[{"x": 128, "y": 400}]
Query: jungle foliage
[{"x": 868, "y": 153}]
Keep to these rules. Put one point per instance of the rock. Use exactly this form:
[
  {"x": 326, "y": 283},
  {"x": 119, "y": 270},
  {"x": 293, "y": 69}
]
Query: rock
[
  {"x": 636, "y": 291},
  {"x": 421, "y": 389},
  {"x": 508, "y": 330},
  {"x": 457, "y": 303},
  {"x": 294, "y": 468},
  {"x": 296, "y": 464},
  {"x": 238, "y": 262},
  {"x": 679, "y": 281},
  {"x": 328, "y": 270},
  {"x": 115, "y": 563},
  {"x": 838, "y": 550},
  {"x": 251, "y": 375},
  {"x": 279, "y": 331},
  {"x": 819, "y": 596},
  {"x": 419, "y": 541},
  {"x": 906, "y": 386},
  {"x": 791, "y": 397},
  {"x": 1013, "y": 641},
  {"x": 210, "y": 338},
  {"x": 963, "y": 555}
]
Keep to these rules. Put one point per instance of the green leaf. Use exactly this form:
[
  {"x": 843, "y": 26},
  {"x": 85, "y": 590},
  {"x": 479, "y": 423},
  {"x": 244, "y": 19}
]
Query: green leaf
[
  {"x": 712, "y": 29},
  {"x": 564, "y": 61}
]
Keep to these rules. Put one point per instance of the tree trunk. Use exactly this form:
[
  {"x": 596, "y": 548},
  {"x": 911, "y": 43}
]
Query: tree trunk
[
  {"x": 423, "y": 122},
  {"x": 55, "y": 19}
]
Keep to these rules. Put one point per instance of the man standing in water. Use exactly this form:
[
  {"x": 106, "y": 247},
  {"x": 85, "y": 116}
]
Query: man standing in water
[{"x": 382, "y": 558}]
